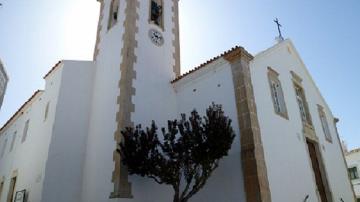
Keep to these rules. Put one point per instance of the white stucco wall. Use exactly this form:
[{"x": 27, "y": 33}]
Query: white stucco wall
[
  {"x": 154, "y": 99},
  {"x": 353, "y": 160},
  {"x": 69, "y": 157},
  {"x": 99, "y": 165},
  {"x": 29, "y": 157},
  {"x": 214, "y": 83},
  {"x": 64, "y": 166},
  {"x": 286, "y": 153}
]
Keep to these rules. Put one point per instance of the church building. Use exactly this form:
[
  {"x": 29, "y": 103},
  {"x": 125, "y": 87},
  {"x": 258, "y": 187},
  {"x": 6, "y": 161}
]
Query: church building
[{"x": 60, "y": 146}]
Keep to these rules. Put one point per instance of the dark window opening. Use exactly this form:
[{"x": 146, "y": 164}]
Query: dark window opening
[{"x": 156, "y": 13}]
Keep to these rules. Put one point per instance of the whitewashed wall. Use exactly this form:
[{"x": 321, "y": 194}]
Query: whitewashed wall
[
  {"x": 286, "y": 153},
  {"x": 64, "y": 166},
  {"x": 214, "y": 83},
  {"x": 154, "y": 97},
  {"x": 69, "y": 157},
  {"x": 29, "y": 157},
  {"x": 353, "y": 160},
  {"x": 99, "y": 165},
  {"x": 154, "y": 100}
]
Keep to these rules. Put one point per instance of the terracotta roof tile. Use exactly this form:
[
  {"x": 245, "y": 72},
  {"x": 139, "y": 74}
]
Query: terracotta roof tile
[
  {"x": 52, "y": 69},
  {"x": 236, "y": 48}
]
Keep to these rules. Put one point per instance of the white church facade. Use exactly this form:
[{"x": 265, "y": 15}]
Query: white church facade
[{"x": 60, "y": 146}]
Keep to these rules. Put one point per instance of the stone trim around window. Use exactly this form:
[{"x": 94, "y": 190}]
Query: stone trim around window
[
  {"x": 12, "y": 187},
  {"x": 326, "y": 128},
  {"x": 161, "y": 3},
  {"x": 308, "y": 128},
  {"x": 274, "y": 76},
  {"x": 296, "y": 77}
]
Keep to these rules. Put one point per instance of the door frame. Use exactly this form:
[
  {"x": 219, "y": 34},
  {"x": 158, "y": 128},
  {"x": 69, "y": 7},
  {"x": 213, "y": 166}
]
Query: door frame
[{"x": 324, "y": 175}]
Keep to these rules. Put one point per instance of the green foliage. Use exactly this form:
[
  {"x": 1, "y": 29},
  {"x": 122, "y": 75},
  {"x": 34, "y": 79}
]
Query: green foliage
[{"x": 186, "y": 156}]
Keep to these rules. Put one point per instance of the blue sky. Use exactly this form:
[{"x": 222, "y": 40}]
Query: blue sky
[{"x": 35, "y": 34}]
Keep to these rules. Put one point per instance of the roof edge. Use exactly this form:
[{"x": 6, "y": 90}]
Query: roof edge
[
  {"x": 224, "y": 54},
  {"x": 13, "y": 117},
  {"x": 52, "y": 69}
]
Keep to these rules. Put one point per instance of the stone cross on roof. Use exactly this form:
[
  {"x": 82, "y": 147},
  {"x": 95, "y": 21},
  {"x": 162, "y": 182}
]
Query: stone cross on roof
[{"x": 280, "y": 37}]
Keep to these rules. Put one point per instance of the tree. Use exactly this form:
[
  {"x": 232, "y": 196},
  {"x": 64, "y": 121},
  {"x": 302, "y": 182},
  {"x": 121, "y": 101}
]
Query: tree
[{"x": 186, "y": 156}]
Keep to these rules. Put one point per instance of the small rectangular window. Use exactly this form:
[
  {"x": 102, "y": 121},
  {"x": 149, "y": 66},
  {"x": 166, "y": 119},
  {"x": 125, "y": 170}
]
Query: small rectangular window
[
  {"x": 13, "y": 141},
  {"x": 156, "y": 13},
  {"x": 301, "y": 100},
  {"x": 3, "y": 148},
  {"x": 46, "y": 111},
  {"x": 324, "y": 123},
  {"x": 10, "y": 196},
  {"x": 114, "y": 13},
  {"x": 26, "y": 128},
  {"x": 303, "y": 106},
  {"x": 277, "y": 93},
  {"x": 353, "y": 173}
]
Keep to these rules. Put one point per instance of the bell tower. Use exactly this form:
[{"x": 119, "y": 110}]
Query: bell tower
[{"x": 137, "y": 40}]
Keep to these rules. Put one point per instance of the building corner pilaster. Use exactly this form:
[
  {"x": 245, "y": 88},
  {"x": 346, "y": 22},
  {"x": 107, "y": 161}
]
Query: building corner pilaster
[
  {"x": 256, "y": 181},
  {"x": 176, "y": 40},
  {"x": 122, "y": 186}
]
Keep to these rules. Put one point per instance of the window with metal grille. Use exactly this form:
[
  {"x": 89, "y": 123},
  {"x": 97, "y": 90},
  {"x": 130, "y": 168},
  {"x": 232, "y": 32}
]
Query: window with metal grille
[
  {"x": 353, "y": 173},
  {"x": 277, "y": 93},
  {"x": 324, "y": 123}
]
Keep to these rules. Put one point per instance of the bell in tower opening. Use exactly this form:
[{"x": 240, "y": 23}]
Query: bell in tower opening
[{"x": 156, "y": 13}]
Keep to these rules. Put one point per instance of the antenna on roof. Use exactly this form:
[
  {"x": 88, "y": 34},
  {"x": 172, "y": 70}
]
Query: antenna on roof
[{"x": 280, "y": 38}]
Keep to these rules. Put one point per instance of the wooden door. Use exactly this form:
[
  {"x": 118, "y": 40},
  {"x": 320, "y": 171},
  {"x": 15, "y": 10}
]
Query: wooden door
[
  {"x": 317, "y": 171},
  {"x": 10, "y": 196}
]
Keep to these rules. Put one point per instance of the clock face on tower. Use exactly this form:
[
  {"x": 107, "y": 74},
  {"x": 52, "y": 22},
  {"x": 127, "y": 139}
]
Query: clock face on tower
[{"x": 156, "y": 37}]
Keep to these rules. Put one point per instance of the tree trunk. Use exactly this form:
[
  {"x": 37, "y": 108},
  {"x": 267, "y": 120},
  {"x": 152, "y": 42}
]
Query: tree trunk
[{"x": 176, "y": 195}]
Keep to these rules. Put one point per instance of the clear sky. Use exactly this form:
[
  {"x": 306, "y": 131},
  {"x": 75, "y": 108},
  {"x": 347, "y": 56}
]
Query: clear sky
[{"x": 35, "y": 34}]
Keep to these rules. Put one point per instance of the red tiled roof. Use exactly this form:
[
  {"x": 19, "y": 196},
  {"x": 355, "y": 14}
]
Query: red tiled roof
[
  {"x": 52, "y": 69},
  {"x": 20, "y": 109},
  {"x": 236, "y": 48}
]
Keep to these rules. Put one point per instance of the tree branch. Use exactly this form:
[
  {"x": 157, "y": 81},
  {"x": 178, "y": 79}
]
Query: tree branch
[{"x": 201, "y": 182}]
